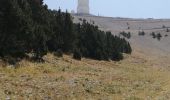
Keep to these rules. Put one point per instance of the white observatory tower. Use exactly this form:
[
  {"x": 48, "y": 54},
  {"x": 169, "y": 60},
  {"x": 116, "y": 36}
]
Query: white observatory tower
[{"x": 83, "y": 7}]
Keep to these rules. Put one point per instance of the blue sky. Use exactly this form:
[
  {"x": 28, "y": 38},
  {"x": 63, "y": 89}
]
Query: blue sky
[{"x": 119, "y": 8}]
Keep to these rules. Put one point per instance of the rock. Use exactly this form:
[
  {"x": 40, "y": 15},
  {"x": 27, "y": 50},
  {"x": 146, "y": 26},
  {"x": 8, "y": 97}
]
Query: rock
[{"x": 7, "y": 98}]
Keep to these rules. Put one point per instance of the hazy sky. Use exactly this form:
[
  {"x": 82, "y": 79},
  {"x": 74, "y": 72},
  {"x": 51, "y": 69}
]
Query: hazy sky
[{"x": 119, "y": 8}]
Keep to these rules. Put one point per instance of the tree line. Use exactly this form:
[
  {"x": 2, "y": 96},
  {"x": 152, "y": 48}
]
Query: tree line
[{"x": 29, "y": 27}]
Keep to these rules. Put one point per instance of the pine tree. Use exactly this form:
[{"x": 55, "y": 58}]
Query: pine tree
[
  {"x": 40, "y": 34},
  {"x": 30, "y": 27},
  {"x": 68, "y": 35},
  {"x": 11, "y": 35},
  {"x": 56, "y": 40}
]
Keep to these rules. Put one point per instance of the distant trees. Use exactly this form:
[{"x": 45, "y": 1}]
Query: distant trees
[
  {"x": 153, "y": 35},
  {"x": 126, "y": 34},
  {"x": 167, "y": 30},
  {"x": 141, "y": 33},
  {"x": 28, "y": 27},
  {"x": 166, "y": 35},
  {"x": 163, "y": 26},
  {"x": 158, "y": 35},
  {"x": 100, "y": 45}
]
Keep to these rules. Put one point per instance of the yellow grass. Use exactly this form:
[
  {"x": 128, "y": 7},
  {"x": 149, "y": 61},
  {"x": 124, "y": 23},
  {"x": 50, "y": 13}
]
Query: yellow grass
[{"x": 134, "y": 78}]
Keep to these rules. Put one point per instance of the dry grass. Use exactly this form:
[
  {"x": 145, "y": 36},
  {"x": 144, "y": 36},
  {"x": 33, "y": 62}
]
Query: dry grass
[{"x": 134, "y": 78}]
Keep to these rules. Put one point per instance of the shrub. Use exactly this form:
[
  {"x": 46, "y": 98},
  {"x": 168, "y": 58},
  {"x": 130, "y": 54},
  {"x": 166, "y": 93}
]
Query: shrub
[
  {"x": 153, "y": 35},
  {"x": 127, "y": 35},
  {"x": 77, "y": 54},
  {"x": 58, "y": 53},
  {"x": 167, "y": 30},
  {"x": 158, "y": 36},
  {"x": 141, "y": 33},
  {"x": 117, "y": 56}
]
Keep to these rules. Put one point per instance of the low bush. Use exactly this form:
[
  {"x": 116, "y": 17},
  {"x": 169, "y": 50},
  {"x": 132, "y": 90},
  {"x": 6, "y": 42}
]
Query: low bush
[{"x": 77, "y": 54}]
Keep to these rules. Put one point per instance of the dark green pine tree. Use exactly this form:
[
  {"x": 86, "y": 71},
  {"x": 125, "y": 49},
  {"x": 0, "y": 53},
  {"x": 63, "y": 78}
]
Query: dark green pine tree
[
  {"x": 68, "y": 35},
  {"x": 56, "y": 42},
  {"x": 109, "y": 44},
  {"x": 30, "y": 27},
  {"x": 129, "y": 49},
  {"x": 13, "y": 31},
  {"x": 41, "y": 30},
  {"x": 39, "y": 45}
]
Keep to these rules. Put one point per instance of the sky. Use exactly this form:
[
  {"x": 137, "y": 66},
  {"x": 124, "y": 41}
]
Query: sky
[{"x": 118, "y": 8}]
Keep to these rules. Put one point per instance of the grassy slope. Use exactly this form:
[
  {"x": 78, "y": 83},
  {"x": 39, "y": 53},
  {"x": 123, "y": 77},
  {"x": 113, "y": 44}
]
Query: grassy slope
[{"x": 134, "y": 78}]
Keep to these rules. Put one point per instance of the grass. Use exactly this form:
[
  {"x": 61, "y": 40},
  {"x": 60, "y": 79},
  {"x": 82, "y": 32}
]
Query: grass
[{"x": 134, "y": 78}]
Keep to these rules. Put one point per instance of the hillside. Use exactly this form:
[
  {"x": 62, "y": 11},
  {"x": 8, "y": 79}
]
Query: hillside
[
  {"x": 134, "y": 78},
  {"x": 151, "y": 48},
  {"x": 37, "y": 47}
]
